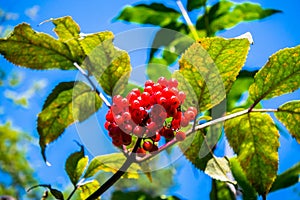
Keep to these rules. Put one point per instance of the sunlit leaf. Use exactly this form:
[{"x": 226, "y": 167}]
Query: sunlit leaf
[
  {"x": 56, "y": 193},
  {"x": 191, "y": 148},
  {"x": 34, "y": 50},
  {"x": 68, "y": 102},
  {"x": 75, "y": 165},
  {"x": 110, "y": 66},
  {"x": 280, "y": 75},
  {"x": 254, "y": 138},
  {"x": 88, "y": 188},
  {"x": 155, "y": 13},
  {"x": 287, "y": 178},
  {"x": 289, "y": 115},
  {"x": 211, "y": 66},
  {"x": 220, "y": 190},
  {"x": 218, "y": 168},
  {"x": 239, "y": 175},
  {"x": 66, "y": 28},
  {"x": 226, "y": 14},
  {"x": 111, "y": 163},
  {"x": 194, "y": 4}
]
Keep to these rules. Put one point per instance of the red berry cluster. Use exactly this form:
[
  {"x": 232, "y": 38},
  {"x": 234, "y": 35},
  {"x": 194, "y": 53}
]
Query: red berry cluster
[{"x": 150, "y": 114}]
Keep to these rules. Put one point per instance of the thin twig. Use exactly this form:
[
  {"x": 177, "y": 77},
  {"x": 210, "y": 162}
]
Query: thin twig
[
  {"x": 187, "y": 19},
  {"x": 86, "y": 75},
  {"x": 202, "y": 126},
  {"x": 72, "y": 193}
]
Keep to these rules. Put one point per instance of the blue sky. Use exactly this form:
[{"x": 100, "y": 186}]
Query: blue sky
[{"x": 270, "y": 35}]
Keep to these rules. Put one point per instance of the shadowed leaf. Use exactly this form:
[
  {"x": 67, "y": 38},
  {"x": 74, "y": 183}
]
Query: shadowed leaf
[
  {"x": 68, "y": 102},
  {"x": 155, "y": 13},
  {"x": 194, "y": 4},
  {"x": 220, "y": 190},
  {"x": 75, "y": 165}
]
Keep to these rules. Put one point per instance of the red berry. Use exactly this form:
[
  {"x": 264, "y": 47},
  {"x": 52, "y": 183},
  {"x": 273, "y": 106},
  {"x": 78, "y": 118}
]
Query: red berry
[
  {"x": 181, "y": 96},
  {"x": 173, "y": 83},
  {"x": 180, "y": 136},
  {"x": 154, "y": 148},
  {"x": 149, "y": 83},
  {"x": 152, "y": 127},
  {"x": 106, "y": 125},
  {"x": 162, "y": 81},
  {"x": 141, "y": 152},
  {"x": 109, "y": 116},
  {"x": 147, "y": 145},
  {"x": 128, "y": 128},
  {"x": 156, "y": 137},
  {"x": 184, "y": 122},
  {"x": 168, "y": 134},
  {"x": 126, "y": 116},
  {"x": 117, "y": 141},
  {"x": 139, "y": 131},
  {"x": 189, "y": 115},
  {"x": 119, "y": 119},
  {"x": 126, "y": 139}
]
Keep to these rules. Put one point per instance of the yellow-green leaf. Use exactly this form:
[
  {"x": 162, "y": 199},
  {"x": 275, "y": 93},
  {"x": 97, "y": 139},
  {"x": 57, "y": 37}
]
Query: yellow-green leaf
[
  {"x": 254, "y": 138},
  {"x": 66, "y": 28},
  {"x": 280, "y": 75},
  {"x": 155, "y": 13},
  {"x": 289, "y": 115},
  {"x": 88, "y": 188},
  {"x": 211, "y": 66},
  {"x": 75, "y": 165},
  {"x": 68, "y": 102},
  {"x": 111, "y": 163},
  {"x": 110, "y": 66},
  {"x": 34, "y": 50}
]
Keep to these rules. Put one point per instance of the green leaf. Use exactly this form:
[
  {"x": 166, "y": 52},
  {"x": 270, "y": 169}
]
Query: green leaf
[
  {"x": 158, "y": 67},
  {"x": 240, "y": 176},
  {"x": 191, "y": 147},
  {"x": 280, "y": 75},
  {"x": 68, "y": 102},
  {"x": 88, "y": 188},
  {"x": 220, "y": 190},
  {"x": 111, "y": 163},
  {"x": 155, "y": 13},
  {"x": 34, "y": 50},
  {"x": 110, "y": 66},
  {"x": 75, "y": 165},
  {"x": 139, "y": 195},
  {"x": 56, "y": 193},
  {"x": 194, "y": 4},
  {"x": 211, "y": 66},
  {"x": 226, "y": 14},
  {"x": 287, "y": 178},
  {"x": 289, "y": 115},
  {"x": 254, "y": 138},
  {"x": 218, "y": 168}
]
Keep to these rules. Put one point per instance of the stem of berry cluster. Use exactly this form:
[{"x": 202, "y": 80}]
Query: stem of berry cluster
[
  {"x": 86, "y": 75},
  {"x": 112, "y": 180}
]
